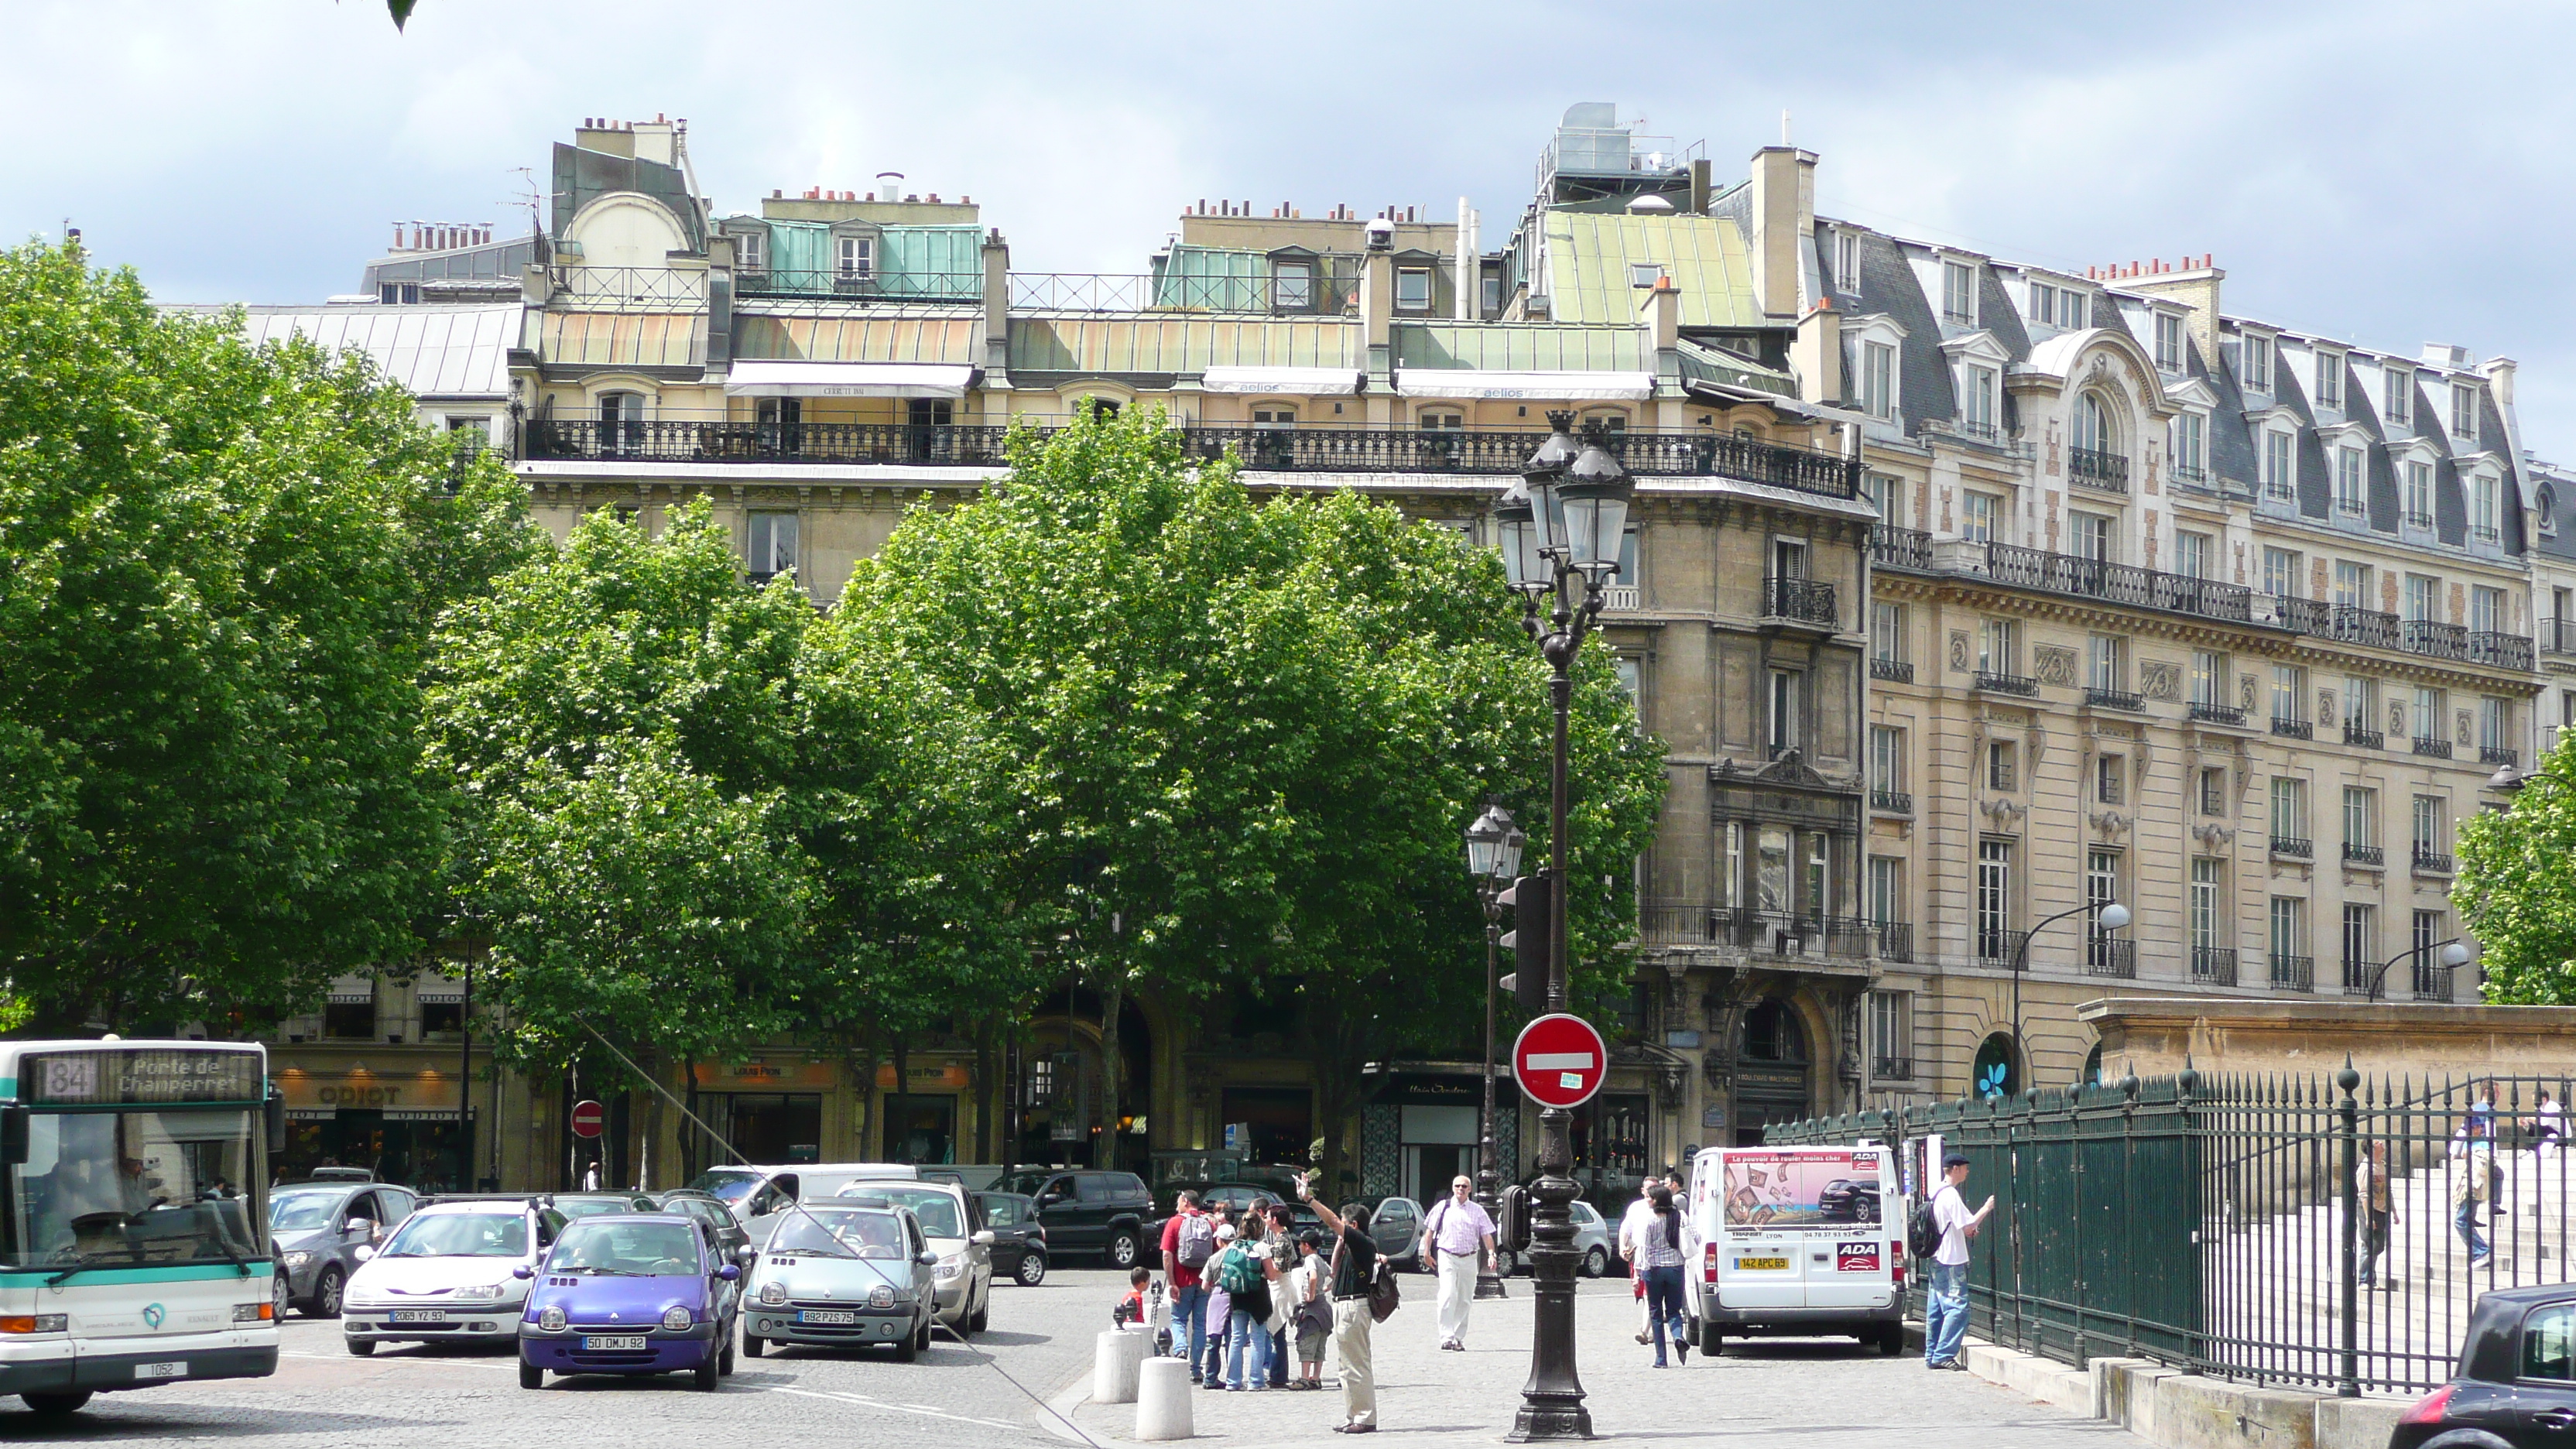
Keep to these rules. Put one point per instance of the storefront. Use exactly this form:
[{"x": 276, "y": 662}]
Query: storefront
[
  {"x": 400, "y": 1124},
  {"x": 1421, "y": 1130},
  {"x": 767, "y": 1112},
  {"x": 921, "y": 1120}
]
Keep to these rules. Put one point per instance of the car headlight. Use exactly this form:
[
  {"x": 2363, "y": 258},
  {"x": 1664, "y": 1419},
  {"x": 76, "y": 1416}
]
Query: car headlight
[
  {"x": 881, "y": 1296},
  {"x": 551, "y": 1318},
  {"x": 951, "y": 1266},
  {"x": 297, "y": 1260},
  {"x": 482, "y": 1293},
  {"x": 773, "y": 1292},
  {"x": 676, "y": 1317}
]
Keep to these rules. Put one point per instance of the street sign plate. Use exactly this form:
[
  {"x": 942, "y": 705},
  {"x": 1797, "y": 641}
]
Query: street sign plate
[
  {"x": 1560, "y": 1060},
  {"x": 588, "y": 1118}
]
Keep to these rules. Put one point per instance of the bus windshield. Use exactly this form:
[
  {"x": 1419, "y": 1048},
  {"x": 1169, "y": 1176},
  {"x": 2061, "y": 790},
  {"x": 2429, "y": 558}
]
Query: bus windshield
[{"x": 133, "y": 1187}]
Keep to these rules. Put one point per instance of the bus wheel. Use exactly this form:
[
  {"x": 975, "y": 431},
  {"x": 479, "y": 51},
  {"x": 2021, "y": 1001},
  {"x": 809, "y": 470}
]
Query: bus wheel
[{"x": 52, "y": 1404}]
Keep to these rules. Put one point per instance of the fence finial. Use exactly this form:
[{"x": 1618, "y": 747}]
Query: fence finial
[{"x": 2347, "y": 1079}]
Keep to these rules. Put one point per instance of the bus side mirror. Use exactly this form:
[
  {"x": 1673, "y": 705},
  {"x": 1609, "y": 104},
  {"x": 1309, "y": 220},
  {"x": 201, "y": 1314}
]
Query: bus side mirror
[
  {"x": 275, "y": 1110},
  {"x": 13, "y": 1134}
]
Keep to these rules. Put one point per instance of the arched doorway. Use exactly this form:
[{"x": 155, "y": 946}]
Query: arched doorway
[
  {"x": 1771, "y": 1070},
  {"x": 1997, "y": 1069},
  {"x": 2093, "y": 1066},
  {"x": 1064, "y": 1079}
]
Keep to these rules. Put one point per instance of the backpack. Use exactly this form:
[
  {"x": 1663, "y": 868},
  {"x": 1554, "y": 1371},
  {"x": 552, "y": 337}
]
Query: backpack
[
  {"x": 1923, "y": 1239},
  {"x": 1197, "y": 1242},
  {"x": 1235, "y": 1272}
]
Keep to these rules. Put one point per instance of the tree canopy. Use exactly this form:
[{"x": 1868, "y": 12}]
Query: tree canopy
[{"x": 2516, "y": 893}]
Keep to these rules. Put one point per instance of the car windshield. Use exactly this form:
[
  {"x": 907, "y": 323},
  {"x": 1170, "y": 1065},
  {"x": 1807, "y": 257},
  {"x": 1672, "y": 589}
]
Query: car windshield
[
  {"x": 648, "y": 1250},
  {"x": 936, "y": 1209},
  {"x": 840, "y": 1234},
  {"x": 297, "y": 1212},
  {"x": 461, "y": 1235},
  {"x": 732, "y": 1184},
  {"x": 1026, "y": 1184},
  {"x": 582, "y": 1207}
]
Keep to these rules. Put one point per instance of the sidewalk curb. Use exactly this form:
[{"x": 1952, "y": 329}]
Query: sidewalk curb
[
  {"x": 1058, "y": 1419},
  {"x": 2177, "y": 1410}
]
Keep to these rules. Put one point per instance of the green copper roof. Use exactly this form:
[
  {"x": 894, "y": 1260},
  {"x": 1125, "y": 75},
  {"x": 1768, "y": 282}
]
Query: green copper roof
[
  {"x": 1588, "y": 261},
  {"x": 1701, "y": 363},
  {"x": 1521, "y": 347},
  {"x": 1164, "y": 344}
]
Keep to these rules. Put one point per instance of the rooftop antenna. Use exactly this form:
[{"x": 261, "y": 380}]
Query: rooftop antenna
[
  {"x": 527, "y": 177},
  {"x": 1784, "y": 125}
]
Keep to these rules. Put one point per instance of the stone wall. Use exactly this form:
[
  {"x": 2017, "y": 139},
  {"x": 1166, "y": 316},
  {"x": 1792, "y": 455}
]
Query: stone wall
[{"x": 2153, "y": 1037}]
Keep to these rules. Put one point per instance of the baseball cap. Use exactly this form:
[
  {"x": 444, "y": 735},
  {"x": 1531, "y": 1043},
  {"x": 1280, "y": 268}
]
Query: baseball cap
[{"x": 1225, "y": 1232}]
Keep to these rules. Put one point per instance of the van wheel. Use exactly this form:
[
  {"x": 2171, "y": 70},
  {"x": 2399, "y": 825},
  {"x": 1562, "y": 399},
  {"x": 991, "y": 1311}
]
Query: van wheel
[
  {"x": 50, "y": 1405},
  {"x": 1123, "y": 1251},
  {"x": 1596, "y": 1261},
  {"x": 1712, "y": 1340},
  {"x": 1891, "y": 1339}
]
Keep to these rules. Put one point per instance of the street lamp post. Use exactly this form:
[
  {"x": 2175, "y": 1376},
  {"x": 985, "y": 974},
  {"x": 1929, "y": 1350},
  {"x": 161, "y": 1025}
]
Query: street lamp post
[
  {"x": 1560, "y": 528},
  {"x": 2452, "y": 955},
  {"x": 2114, "y": 916},
  {"x": 1494, "y": 846}
]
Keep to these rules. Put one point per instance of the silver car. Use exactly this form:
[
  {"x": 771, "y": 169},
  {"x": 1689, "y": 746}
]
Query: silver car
[
  {"x": 319, "y": 1228},
  {"x": 1594, "y": 1239},
  {"x": 837, "y": 1276},
  {"x": 449, "y": 1274},
  {"x": 954, "y": 1223}
]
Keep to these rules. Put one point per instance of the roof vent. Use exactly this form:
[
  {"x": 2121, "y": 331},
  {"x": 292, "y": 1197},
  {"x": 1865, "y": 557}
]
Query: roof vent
[{"x": 1651, "y": 204}]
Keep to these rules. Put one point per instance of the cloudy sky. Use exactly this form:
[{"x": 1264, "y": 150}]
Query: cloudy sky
[{"x": 2387, "y": 173}]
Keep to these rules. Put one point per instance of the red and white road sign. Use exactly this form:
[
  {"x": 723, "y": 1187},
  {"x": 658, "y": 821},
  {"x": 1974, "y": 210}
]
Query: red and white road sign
[
  {"x": 1560, "y": 1060},
  {"x": 588, "y": 1118}
]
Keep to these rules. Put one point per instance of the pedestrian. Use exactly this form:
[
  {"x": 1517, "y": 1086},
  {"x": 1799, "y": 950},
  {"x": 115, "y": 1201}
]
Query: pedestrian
[
  {"x": 1242, "y": 1272},
  {"x": 1279, "y": 1242},
  {"x": 1354, "y": 1268},
  {"x": 1313, "y": 1315},
  {"x": 1131, "y": 1310},
  {"x": 590, "y": 1177},
  {"x": 1945, "y": 1315},
  {"x": 2548, "y": 1127},
  {"x": 1189, "y": 1240},
  {"x": 1659, "y": 1266},
  {"x": 2370, "y": 1189},
  {"x": 1458, "y": 1230},
  {"x": 2472, "y": 1183},
  {"x": 1632, "y": 1224},
  {"x": 1220, "y": 1310}
]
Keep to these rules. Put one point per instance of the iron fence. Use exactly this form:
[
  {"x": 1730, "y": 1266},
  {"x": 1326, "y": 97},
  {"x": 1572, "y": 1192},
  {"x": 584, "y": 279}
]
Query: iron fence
[{"x": 2326, "y": 1231}]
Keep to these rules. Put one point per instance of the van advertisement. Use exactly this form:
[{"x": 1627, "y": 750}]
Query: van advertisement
[{"x": 1832, "y": 1188}]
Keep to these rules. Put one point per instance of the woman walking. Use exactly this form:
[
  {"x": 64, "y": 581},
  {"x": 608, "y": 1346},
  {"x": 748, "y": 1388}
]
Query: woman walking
[{"x": 1658, "y": 1262}]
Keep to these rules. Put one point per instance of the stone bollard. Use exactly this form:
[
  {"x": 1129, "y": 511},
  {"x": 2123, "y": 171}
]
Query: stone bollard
[
  {"x": 1163, "y": 1400},
  {"x": 1115, "y": 1357}
]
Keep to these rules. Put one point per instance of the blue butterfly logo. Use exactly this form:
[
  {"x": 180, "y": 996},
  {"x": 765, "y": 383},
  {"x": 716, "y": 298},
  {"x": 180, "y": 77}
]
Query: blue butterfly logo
[{"x": 1990, "y": 1082}]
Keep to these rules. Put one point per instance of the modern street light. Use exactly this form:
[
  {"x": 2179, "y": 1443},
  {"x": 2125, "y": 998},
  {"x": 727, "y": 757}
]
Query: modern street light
[
  {"x": 2452, "y": 955},
  {"x": 2113, "y": 916},
  {"x": 1560, "y": 529},
  {"x": 1494, "y": 846}
]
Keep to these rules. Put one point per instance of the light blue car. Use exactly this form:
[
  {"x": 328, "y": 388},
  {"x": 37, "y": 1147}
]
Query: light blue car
[{"x": 842, "y": 1277}]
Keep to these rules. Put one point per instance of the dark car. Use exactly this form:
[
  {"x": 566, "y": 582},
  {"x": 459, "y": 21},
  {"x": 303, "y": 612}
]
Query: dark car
[
  {"x": 1019, "y": 1239},
  {"x": 1084, "y": 1211},
  {"x": 710, "y": 1210},
  {"x": 2515, "y": 1387},
  {"x": 631, "y": 1293},
  {"x": 318, "y": 1228},
  {"x": 1845, "y": 1200},
  {"x": 1396, "y": 1222}
]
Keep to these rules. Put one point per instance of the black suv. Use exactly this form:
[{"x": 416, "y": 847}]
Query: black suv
[
  {"x": 2515, "y": 1387},
  {"x": 1849, "y": 1200},
  {"x": 1109, "y": 1213}
]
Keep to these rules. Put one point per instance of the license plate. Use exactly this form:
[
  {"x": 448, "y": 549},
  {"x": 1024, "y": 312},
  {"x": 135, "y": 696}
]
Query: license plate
[
  {"x": 616, "y": 1343},
  {"x": 418, "y": 1315},
  {"x": 826, "y": 1315},
  {"x": 175, "y": 1369},
  {"x": 1760, "y": 1265}
]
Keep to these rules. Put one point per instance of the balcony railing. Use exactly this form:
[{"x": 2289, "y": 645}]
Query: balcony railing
[
  {"x": 2190, "y": 473},
  {"x": 2118, "y": 583},
  {"x": 2368, "y": 855},
  {"x": 1620, "y": 598},
  {"x": 2485, "y": 533},
  {"x": 2293, "y": 729},
  {"x": 2356, "y": 625},
  {"x": 1894, "y": 671},
  {"x": 2293, "y": 847},
  {"x": 2504, "y": 651},
  {"x": 2213, "y": 965},
  {"x": 2114, "y": 956},
  {"x": 1891, "y": 1069},
  {"x": 2558, "y": 636},
  {"x": 2293, "y": 973},
  {"x": 1994, "y": 683},
  {"x": 2098, "y": 469},
  {"x": 1675, "y": 923},
  {"x": 2368, "y": 739},
  {"x": 2300, "y": 616},
  {"x": 2356, "y": 976},
  {"x": 1894, "y": 802},
  {"x": 2442, "y": 641},
  {"x": 1999, "y": 948},
  {"x": 2431, "y": 862},
  {"x": 2226, "y": 714},
  {"x": 862, "y": 285},
  {"x": 2352, "y": 508},
  {"x": 1896, "y": 941},
  {"x": 1807, "y": 601},
  {"x": 2439, "y": 749},
  {"x": 1907, "y": 548},
  {"x": 2432, "y": 980},
  {"x": 2415, "y": 519},
  {"x": 2114, "y": 699},
  {"x": 2499, "y": 755}
]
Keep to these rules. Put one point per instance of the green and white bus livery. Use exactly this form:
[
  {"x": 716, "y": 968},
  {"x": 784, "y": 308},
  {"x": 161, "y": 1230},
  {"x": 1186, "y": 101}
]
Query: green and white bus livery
[{"x": 133, "y": 1208}]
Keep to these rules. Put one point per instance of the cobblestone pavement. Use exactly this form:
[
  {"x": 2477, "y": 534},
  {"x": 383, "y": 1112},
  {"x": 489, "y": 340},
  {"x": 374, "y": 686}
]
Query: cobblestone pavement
[
  {"x": 989, "y": 1393},
  {"x": 1791, "y": 1392}
]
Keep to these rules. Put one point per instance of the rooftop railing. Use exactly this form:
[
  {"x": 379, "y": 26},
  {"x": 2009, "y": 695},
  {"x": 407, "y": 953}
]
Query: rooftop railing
[{"x": 855, "y": 285}]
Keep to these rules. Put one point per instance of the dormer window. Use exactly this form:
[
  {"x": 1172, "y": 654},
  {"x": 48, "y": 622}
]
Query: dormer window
[
  {"x": 751, "y": 251},
  {"x": 2256, "y": 352},
  {"x": 2280, "y": 480},
  {"x": 2330, "y": 380},
  {"x": 1292, "y": 286},
  {"x": 2191, "y": 447},
  {"x": 1878, "y": 379},
  {"x": 2055, "y": 306},
  {"x": 1413, "y": 289},
  {"x": 1959, "y": 293},
  {"x": 1846, "y": 261},
  {"x": 1977, "y": 407},
  {"x": 858, "y": 258},
  {"x": 2168, "y": 342},
  {"x": 2464, "y": 413},
  {"x": 2396, "y": 392}
]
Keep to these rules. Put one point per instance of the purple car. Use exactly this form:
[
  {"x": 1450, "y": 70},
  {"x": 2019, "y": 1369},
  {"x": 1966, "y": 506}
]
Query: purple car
[{"x": 631, "y": 1293}]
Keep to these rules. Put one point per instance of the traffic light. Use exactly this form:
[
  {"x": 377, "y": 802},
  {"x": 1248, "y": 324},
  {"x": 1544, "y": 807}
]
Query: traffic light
[
  {"x": 1514, "y": 1230},
  {"x": 1529, "y": 899}
]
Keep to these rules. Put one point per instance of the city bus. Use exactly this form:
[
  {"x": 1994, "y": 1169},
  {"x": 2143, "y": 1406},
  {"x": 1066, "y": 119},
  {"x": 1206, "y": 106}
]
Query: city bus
[{"x": 133, "y": 1216}]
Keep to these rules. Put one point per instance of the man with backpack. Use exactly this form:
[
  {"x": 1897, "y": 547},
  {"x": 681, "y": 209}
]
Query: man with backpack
[
  {"x": 1189, "y": 1240},
  {"x": 1943, "y": 1226}
]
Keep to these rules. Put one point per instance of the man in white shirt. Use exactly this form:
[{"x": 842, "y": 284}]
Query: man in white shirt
[
  {"x": 1945, "y": 1312},
  {"x": 1452, "y": 1235}
]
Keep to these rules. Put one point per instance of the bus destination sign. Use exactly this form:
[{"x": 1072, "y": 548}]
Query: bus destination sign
[{"x": 145, "y": 1074}]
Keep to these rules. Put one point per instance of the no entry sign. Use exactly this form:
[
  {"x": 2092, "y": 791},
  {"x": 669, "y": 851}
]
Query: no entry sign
[
  {"x": 1560, "y": 1060},
  {"x": 588, "y": 1118}
]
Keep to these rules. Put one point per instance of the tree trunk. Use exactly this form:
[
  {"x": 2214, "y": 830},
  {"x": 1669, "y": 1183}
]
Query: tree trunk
[
  {"x": 1112, "y": 1070},
  {"x": 986, "y": 1130},
  {"x": 895, "y": 1099}
]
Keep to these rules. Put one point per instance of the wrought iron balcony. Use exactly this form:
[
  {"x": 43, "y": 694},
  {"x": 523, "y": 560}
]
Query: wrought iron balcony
[
  {"x": 2293, "y": 729},
  {"x": 2415, "y": 519},
  {"x": 2106, "y": 955},
  {"x": 2213, "y": 965},
  {"x": 2356, "y": 625},
  {"x": 2114, "y": 699},
  {"x": 2226, "y": 714},
  {"x": 2301, "y": 616},
  {"x": 2278, "y": 490},
  {"x": 1900, "y": 548},
  {"x": 2485, "y": 533},
  {"x": 2098, "y": 469},
  {"x": 1791, "y": 933},
  {"x": 2499, "y": 755},
  {"x": 1807, "y": 601},
  {"x": 2368, "y": 855},
  {"x": 2118, "y": 583},
  {"x": 2352, "y": 508},
  {"x": 1895, "y": 941},
  {"x": 2558, "y": 636},
  {"x": 1995, "y": 683},
  {"x": 744, "y": 441},
  {"x": 2442, "y": 641},
  {"x": 2432, "y": 980},
  {"x": 1999, "y": 948},
  {"x": 2293, "y": 847},
  {"x": 2190, "y": 473},
  {"x": 1891, "y": 1069},
  {"x": 2356, "y": 976},
  {"x": 2439, "y": 749},
  {"x": 2293, "y": 973},
  {"x": 2504, "y": 651},
  {"x": 2368, "y": 739},
  {"x": 2431, "y": 862},
  {"x": 1893, "y": 802},
  {"x": 1894, "y": 671}
]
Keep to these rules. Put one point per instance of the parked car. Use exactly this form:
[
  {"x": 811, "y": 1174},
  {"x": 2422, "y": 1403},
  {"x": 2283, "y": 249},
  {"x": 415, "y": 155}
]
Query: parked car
[
  {"x": 1396, "y": 1222},
  {"x": 1595, "y": 1238},
  {"x": 2515, "y": 1386},
  {"x": 843, "y": 1275},
  {"x": 631, "y": 1293},
  {"x": 318, "y": 1228},
  {"x": 1019, "y": 1239},
  {"x": 758, "y": 1194},
  {"x": 953, "y": 1223},
  {"x": 711, "y": 1213},
  {"x": 451, "y": 1273},
  {"x": 1108, "y": 1213},
  {"x": 591, "y": 1204}
]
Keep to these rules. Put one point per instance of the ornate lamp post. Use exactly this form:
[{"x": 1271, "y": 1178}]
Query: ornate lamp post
[
  {"x": 1494, "y": 846},
  {"x": 2114, "y": 916},
  {"x": 1560, "y": 530}
]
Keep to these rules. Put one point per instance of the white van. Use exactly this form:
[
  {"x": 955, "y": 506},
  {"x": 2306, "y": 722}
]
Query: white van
[
  {"x": 1798, "y": 1241},
  {"x": 758, "y": 1195}
]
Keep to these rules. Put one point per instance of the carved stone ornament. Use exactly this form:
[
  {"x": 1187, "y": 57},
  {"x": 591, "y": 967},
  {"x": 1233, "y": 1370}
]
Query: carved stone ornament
[
  {"x": 2036, "y": 742},
  {"x": 2213, "y": 836},
  {"x": 2111, "y": 823},
  {"x": 2056, "y": 665},
  {"x": 1958, "y": 651},
  {"x": 2245, "y": 692},
  {"x": 2325, "y": 706},
  {"x": 2464, "y": 736},
  {"x": 2159, "y": 680},
  {"x": 2396, "y": 717},
  {"x": 2002, "y": 812}
]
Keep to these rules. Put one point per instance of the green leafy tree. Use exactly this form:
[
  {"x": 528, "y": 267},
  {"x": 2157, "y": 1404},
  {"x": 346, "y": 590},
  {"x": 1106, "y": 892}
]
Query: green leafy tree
[
  {"x": 2516, "y": 893},
  {"x": 219, "y": 565}
]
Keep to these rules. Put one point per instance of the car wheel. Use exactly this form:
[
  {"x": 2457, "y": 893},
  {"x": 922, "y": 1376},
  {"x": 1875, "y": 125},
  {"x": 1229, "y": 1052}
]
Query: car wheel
[
  {"x": 327, "y": 1292},
  {"x": 927, "y": 1325},
  {"x": 1596, "y": 1261},
  {"x": 1123, "y": 1251},
  {"x": 752, "y": 1345},
  {"x": 281, "y": 1296},
  {"x": 362, "y": 1347},
  {"x": 531, "y": 1376},
  {"x": 52, "y": 1404},
  {"x": 983, "y": 1315},
  {"x": 1032, "y": 1270},
  {"x": 703, "y": 1378},
  {"x": 724, "y": 1360},
  {"x": 908, "y": 1347}
]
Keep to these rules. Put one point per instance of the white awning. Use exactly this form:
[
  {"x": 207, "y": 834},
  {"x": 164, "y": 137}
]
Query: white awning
[
  {"x": 755, "y": 377},
  {"x": 1296, "y": 381},
  {"x": 1538, "y": 386}
]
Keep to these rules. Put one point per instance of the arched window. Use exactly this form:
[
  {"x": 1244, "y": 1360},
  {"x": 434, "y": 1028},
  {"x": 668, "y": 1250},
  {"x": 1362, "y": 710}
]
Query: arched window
[
  {"x": 2093, "y": 1066},
  {"x": 1772, "y": 1034},
  {"x": 2096, "y": 427},
  {"x": 1997, "y": 1072}
]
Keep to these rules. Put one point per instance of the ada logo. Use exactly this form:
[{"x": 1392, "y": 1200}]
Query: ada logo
[
  {"x": 1856, "y": 1257},
  {"x": 153, "y": 1313}
]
